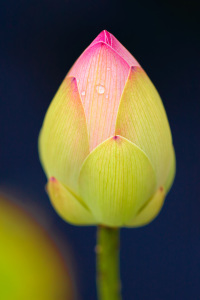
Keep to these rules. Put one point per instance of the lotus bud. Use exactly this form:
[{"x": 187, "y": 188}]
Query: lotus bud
[{"x": 105, "y": 143}]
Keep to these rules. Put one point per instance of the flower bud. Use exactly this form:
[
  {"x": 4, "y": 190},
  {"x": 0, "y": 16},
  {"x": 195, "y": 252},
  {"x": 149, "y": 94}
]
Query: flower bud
[{"x": 105, "y": 143}]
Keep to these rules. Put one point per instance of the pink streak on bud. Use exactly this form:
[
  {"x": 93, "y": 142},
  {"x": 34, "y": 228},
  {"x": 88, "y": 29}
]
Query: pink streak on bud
[{"x": 101, "y": 73}]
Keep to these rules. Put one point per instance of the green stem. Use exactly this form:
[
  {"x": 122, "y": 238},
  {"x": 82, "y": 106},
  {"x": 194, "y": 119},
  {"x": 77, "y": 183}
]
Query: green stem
[{"x": 107, "y": 253}]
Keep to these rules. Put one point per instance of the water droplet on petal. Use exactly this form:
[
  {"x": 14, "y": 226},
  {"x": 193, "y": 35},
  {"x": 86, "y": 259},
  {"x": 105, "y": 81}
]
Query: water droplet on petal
[
  {"x": 83, "y": 93},
  {"x": 108, "y": 69},
  {"x": 100, "y": 89},
  {"x": 107, "y": 96}
]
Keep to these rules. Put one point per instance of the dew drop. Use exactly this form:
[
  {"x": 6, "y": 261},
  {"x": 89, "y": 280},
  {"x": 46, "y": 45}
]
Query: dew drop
[
  {"x": 100, "y": 89},
  {"x": 107, "y": 96},
  {"x": 83, "y": 93},
  {"x": 108, "y": 69}
]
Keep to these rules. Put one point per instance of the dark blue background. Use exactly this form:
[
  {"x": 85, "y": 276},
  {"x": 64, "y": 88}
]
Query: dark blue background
[{"x": 40, "y": 40}]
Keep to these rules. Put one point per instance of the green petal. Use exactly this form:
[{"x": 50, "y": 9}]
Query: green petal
[
  {"x": 142, "y": 120},
  {"x": 63, "y": 141},
  {"x": 150, "y": 211},
  {"x": 171, "y": 174},
  {"x": 116, "y": 179},
  {"x": 67, "y": 205}
]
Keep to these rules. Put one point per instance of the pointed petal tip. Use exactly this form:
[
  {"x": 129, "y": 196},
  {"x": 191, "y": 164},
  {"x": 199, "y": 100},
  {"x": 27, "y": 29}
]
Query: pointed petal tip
[
  {"x": 161, "y": 189},
  {"x": 150, "y": 210},
  {"x": 71, "y": 80},
  {"x": 72, "y": 83},
  {"x": 52, "y": 179},
  {"x": 134, "y": 69},
  {"x": 105, "y": 31},
  {"x": 116, "y": 137},
  {"x": 52, "y": 182},
  {"x": 104, "y": 37}
]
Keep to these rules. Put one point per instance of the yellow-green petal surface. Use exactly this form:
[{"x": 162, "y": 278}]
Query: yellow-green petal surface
[
  {"x": 170, "y": 178},
  {"x": 150, "y": 210},
  {"x": 142, "y": 120},
  {"x": 116, "y": 179},
  {"x": 63, "y": 141},
  {"x": 67, "y": 205}
]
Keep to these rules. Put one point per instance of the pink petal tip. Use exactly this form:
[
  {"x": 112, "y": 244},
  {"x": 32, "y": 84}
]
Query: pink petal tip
[{"x": 52, "y": 179}]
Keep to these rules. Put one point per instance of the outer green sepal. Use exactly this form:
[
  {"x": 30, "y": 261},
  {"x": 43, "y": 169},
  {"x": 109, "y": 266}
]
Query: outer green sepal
[
  {"x": 63, "y": 141},
  {"x": 142, "y": 119},
  {"x": 150, "y": 210}
]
